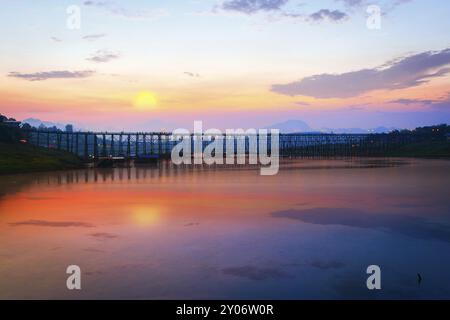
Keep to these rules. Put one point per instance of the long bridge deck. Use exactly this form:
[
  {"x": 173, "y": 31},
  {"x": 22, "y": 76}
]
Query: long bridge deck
[{"x": 94, "y": 145}]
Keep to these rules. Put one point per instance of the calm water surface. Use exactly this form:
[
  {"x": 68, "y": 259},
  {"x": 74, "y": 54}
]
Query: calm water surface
[{"x": 164, "y": 233}]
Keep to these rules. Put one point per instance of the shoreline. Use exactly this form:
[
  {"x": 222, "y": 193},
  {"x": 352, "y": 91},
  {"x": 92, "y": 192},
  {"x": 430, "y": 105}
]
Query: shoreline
[
  {"x": 25, "y": 158},
  {"x": 67, "y": 162}
]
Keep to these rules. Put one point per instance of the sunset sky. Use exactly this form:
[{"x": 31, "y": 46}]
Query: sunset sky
[{"x": 161, "y": 64}]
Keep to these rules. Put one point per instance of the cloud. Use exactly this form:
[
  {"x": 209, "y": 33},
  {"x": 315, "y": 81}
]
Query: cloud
[
  {"x": 253, "y": 6},
  {"x": 43, "y": 223},
  {"x": 360, "y": 3},
  {"x": 96, "y": 3},
  {"x": 439, "y": 104},
  {"x": 102, "y": 56},
  {"x": 405, "y": 72},
  {"x": 40, "y": 76},
  {"x": 325, "y": 14},
  {"x": 92, "y": 37},
  {"x": 114, "y": 9},
  {"x": 412, "y": 101},
  {"x": 352, "y": 3},
  {"x": 55, "y": 39},
  {"x": 192, "y": 74},
  {"x": 319, "y": 16}
]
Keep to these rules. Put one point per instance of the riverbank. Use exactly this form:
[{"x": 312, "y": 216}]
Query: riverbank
[
  {"x": 439, "y": 149},
  {"x": 24, "y": 158}
]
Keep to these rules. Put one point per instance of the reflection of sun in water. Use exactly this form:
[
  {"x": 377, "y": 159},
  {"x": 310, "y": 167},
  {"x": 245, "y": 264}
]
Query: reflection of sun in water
[
  {"x": 145, "y": 100},
  {"x": 146, "y": 215}
]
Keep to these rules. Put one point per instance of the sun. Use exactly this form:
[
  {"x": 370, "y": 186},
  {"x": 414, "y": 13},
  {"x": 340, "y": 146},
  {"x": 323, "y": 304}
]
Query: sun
[{"x": 145, "y": 100}]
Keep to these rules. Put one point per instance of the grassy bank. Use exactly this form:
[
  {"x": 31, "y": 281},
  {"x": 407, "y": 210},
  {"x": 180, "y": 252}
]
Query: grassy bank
[{"x": 21, "y": 158}]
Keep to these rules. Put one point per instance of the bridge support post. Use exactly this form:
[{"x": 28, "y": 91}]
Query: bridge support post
[
  {"x": 95, "y": 147},
  {"x": 76, "y": 143},
  {"x": 159, "y": 144},
  {"x": 120, "y": 146},
  {"x": 137, "y": 145},
  {"x": 58, "y": 140},
  {"x": 112, "y": 145},
  {"x": 151, "y": 143},
  {"x": 104, "y": 146},
  {"x": 144, "y": 138},
  {"x": 86, "y": 151},
  {"x": 129, "y": 146}
]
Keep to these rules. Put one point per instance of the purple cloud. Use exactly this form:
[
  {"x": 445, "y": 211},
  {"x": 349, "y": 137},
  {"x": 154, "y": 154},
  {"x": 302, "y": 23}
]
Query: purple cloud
[
  {"x": 253, "y": 6},
  {"x": 352, "y": 3},
  {"x": 102, "y": 56},
  {"x": 92, "y": 37},
  {"x": 405, "y": 72},
  {"x": 325, "y": 14},
  {"x": 412, "y": 101},
  {"x": 360, "y": 3},
  {"x": 441, "y": 104},
  {"x": 46, "y": 75}
]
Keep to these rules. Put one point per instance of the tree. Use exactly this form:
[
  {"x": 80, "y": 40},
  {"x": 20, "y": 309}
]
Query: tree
[
  {"x": 26, "y": 126},
  {"x": 3, "y": 118},
  {"x": 69, "y": 128}
]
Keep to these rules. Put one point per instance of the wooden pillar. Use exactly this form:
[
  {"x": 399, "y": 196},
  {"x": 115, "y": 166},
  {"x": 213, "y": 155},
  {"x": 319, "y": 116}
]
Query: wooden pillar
[
  {"x": 137, "y": 144},
  {"x": 76, "y": 143},
  {"x": 144, "y": 137},
  {"x": 120, "y": 146},
  {"x": 95, "y": 147},
  {"x": 112, "y": 145},
  {"x": 86, "y": 151},
  {"x": 129, "y": 146},
  {"x": 151, "y": 143},
  {"x": 58, "y": 140},
  {"x": 104, "y": 146},
  {"x": 159, "y": 144}
]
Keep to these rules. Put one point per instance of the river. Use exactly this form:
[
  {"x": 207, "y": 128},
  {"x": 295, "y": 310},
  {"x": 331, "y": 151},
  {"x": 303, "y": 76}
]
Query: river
[{"x": 309, "y": 232}]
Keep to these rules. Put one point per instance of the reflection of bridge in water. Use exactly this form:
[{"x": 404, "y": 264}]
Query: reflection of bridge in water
[
  {"x": 167, "y": 170},
  {"x": 95, "y": 145}
]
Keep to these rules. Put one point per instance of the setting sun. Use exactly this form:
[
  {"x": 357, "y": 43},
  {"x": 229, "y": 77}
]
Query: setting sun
[{"x": 145, "y": 100}]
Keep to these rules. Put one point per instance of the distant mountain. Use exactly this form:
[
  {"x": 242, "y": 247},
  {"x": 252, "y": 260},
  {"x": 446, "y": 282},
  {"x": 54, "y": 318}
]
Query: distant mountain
[
  {"x": 291, "y": 126},
  {"x": 37, "y": 122},
  {"x": 156, "y": 125},
  {"x": 299, "y": 126},
  {"x": 358, "y": 130}
]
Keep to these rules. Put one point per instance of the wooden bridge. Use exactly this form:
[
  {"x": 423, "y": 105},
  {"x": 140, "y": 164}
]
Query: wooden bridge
[{"x": 96, "y": 145}]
